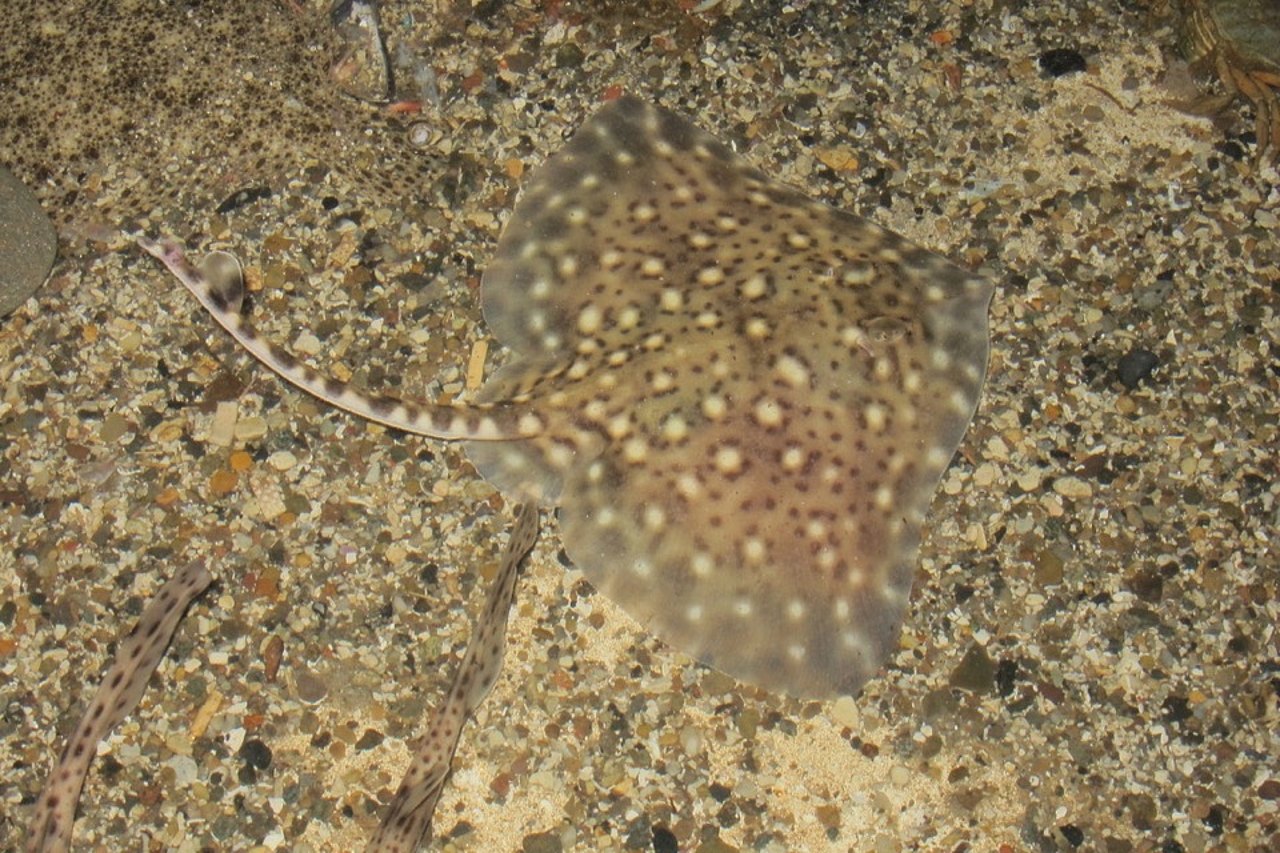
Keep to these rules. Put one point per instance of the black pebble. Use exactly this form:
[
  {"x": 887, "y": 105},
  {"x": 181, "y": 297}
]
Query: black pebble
[
  {"x": 664, "y": 841},
  {"x": 369, "y": 740},
  {"x": 1060, "y": 61},
  {"x": 1006, "y": 676},
  {"x": 256, "y": 754},
  {"x": 1175, "y": 710},
  {"x": 240, "y": 198},
  {"x": 1137, "y": 366},
  {"x": 1073, "y": 834}
]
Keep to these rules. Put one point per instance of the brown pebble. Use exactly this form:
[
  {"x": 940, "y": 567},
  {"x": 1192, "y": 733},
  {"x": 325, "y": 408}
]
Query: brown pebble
[
  {"x": 223, "y": 483},
  {"x": 501, "y": 785},
  {"x": 1270, "y": 789},
  {"x": 267, "y": 584},
  {"x": 1049, "y": 568},
  {"x": 271, "y": 657}
]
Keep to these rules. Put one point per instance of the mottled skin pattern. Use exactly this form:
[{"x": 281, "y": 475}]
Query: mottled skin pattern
[
  {"x": 121, "y": 689},
  {"x": 741, "y": 400}
]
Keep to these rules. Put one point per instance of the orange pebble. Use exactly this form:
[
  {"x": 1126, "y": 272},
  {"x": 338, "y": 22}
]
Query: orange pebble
[
  {"x": 271, "y": 658},
  {"x": 223, "y": 483},
  {"x": 267, "y": 584}
]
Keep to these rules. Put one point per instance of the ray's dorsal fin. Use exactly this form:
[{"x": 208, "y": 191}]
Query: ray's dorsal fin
[{"x": 218, "y": 283}]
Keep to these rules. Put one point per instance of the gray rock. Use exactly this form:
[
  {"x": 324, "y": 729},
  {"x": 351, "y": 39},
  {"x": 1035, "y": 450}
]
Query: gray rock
[{"x": 28, "y": 243}]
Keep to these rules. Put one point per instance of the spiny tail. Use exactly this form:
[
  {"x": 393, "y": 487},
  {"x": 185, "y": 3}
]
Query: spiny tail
[{"x": 218, "y": 284}]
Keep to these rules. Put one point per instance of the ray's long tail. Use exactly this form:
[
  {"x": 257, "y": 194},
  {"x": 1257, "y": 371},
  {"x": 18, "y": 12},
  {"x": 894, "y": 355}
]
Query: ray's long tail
[{"x": 218, "y": 283}]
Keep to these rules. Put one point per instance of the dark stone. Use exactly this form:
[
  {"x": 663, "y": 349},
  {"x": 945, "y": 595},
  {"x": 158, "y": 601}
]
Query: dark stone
[
  {"x": 1147, "y": 584},
  {"x": 1215, "y": 820},
  {"x": 1006, "y": 676},
  {"x": 1060, "y": 61},
  {"x": 255, "y": 754},
  {"x": 368, "y": 740},
  {"x": 1176, "y": 709},
  {"x": 975, "y": 671},
  {"x": 1137, "y": 366},
  {"x": 664, "y": 841},
  {"x": 569, "y": 55},
  {"x": 1073, "y": 834},
  {"x": 543, "y": 842}
]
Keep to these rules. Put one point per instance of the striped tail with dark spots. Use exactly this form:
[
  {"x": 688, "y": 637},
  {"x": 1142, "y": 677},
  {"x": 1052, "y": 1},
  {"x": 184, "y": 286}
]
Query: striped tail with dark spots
[{"x": 218, "y": 284}]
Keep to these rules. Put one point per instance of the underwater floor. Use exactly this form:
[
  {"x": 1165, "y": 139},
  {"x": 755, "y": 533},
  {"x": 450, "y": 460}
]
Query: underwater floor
[{"x": 1091, "y": 657}]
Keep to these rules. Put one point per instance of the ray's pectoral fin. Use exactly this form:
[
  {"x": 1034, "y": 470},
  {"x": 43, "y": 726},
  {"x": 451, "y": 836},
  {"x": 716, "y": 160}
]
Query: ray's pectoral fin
[{"x": 764, "y": 393}]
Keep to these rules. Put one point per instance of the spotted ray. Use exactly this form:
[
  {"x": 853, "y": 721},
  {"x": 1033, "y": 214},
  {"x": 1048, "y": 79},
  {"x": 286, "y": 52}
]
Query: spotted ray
[
  {"x": 118, "y": 694},
  {"x": 740, "y": 399}
]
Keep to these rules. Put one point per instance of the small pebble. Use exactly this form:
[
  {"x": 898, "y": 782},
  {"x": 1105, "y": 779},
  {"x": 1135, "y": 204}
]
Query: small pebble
[
  {"x": 282, "y": 460},
  {"x": 975, "y": 672},
  {"x": 665, "y": 841},
  {"x": 369, "y": 740},
  {"x": 1060, "y": 61},
  {"x": 223, "y": 429},
  {"x": 845, "y": 712},
  {"x": 1073, "y": 487},
  {"x": 311, "y": 688},
  {"x": 1137, "y": 366},
  {"x": 1049, "y": 568},
  {"x": 223, "y": 483},
  {"x": 256, "y": 754},
  {"x": 185, "y": 770},
  {"x": 251, "y": 428},
  {"x": 542, "y": 842},
  {"x": 308, "y": 344},
  {"x": 240, "y": 461}
]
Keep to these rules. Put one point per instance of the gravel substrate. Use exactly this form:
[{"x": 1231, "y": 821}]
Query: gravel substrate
[{"x": 1091, "y": 659}]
